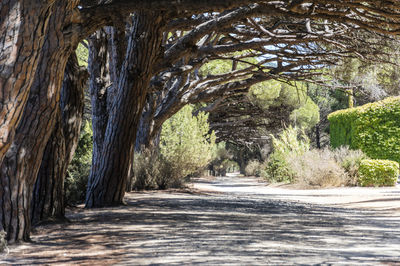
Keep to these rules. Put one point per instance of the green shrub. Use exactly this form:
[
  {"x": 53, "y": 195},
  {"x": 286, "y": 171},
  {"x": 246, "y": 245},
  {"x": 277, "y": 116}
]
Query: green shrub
[
  {"x": 290, "y": 142},
  {"x": 378, "y": 173},
  {"x": 152, "y": 171},
  {"x": 372, "y": 128},
  {"x": 186, "y": 142},
  {"x": 3, "y": 242},
  {"x": 253, "y": 168},
  {"x": 79, "y": 169},
  {"x": 293, "y": 161},
  {"x": 350, "y": 161},
  {"x": 186, "y": 147},
  {"x": 277, "y": 169}
]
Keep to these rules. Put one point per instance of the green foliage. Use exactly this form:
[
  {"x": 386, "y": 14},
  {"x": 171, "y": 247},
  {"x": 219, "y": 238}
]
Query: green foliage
[
  {"x": 293, "y": 161},
  {"x": 152, "y": 171},
  {"x": 83, "y": 54},
  {"x": 272, "y": 93},
  {"x": 253, "y": 168},
  {"x": 186, "y": 147},
  {"x": 378, "y": 173},
  {"x": 186, "y": 142},
  {"x": 292, "y": 141},
  {"x": 306, "y": 116},
  {"x": 373, "y": 128},
  {"x": 3, "y": 242},
  {"x": 277, "y": 169},
  {"x": 79, "y": 169},
  {"x": 350, "y": 161},
  {"x": 222, "y": 66},
  {"x": 222, "y": 162},
  {"x": 216, "y": 67},
  {"x": 265, "y": 94}
]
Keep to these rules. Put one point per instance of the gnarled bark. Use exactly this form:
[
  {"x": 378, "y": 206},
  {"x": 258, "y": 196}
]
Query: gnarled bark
[
  {"x": 48, "y": 195},
  {"x": 23, "y": 24},
  {"x": 22, "y": 161},
  {"x": 108, "y": 179},
  {"x": 99, "y": 87}
]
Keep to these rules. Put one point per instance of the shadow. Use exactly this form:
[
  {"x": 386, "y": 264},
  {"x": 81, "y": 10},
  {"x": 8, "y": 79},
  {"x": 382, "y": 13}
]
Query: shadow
[{"x": 180, "y": 229}]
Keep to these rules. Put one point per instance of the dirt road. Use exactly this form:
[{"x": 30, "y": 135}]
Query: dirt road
[{"x": 234, "y": 221}]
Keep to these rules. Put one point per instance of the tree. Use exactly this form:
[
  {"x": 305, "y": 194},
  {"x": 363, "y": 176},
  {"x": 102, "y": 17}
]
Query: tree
[
  {"x": 163, "y": 66},
  {"x": 214, "y": 71},
  {"x": 51, "y": 30},
  {"x": 48, "y": 31},
  {"x": 48, "y": 195},
  {"x": 186, "y": 141},
  {"x": 23, "y": 24},
  {"x": 22, "y": 161}
]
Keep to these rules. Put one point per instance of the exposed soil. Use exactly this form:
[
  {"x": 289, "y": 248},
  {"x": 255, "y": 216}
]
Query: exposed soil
[{"x": 227, "y": 220}]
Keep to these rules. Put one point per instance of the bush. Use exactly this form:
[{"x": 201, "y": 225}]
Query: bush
[
  {"x": 186, "y": 147},
  {"x": 291, "y": 142},
  {"x": 378, "y": 173},
  {"x": 152, "y": 171},
  {"x": 317, "y": 168},
  {"x": 277, "y": 169},
  {"x": 186, "y": 142},
  {"x": 3, "y": 242},
  {"x": 253, "y": 168},
  {"x": 372, "y": 128},
  {"x": 350, "y": 161},
  {"x": 79, "y": 169}
]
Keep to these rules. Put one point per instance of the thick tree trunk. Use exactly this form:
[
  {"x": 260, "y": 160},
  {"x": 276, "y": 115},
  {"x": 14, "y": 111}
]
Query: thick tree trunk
[
  {"x": 48, "y": 196},
  {"x": 22, "y": 161},
  {"x": 99, "y": 87},
  {"x": 108, "y": 179},
  {"x": 23, "y": 24},
  {"x": 47, "y": 201}
]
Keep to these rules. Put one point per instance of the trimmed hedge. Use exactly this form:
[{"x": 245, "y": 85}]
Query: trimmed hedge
[
  {"x": 378, "y": 173},
  {"x": 373, "y": 128}
]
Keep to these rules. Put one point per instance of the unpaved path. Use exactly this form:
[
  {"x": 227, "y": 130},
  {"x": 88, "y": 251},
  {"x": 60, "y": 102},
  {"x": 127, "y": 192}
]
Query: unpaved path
[
  {"x": 386, "y": 198},
  {"x": 244, "y": 223}
]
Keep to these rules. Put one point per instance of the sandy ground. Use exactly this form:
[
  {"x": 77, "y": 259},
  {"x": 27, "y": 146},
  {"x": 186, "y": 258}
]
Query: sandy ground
[
  {"x": 226, "y": 221},
  {"x": 386, "y": 198}
]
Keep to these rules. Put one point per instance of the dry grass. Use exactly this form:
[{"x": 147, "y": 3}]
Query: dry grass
[{"x": 318, "y": 168}]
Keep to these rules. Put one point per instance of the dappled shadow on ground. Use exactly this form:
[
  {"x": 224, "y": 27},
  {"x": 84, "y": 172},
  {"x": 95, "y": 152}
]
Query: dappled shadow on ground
[{"x": 179, "y": 228}]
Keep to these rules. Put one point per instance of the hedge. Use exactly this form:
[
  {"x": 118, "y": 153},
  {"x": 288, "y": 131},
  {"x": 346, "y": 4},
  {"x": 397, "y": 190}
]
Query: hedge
[
  {"x": 378, "y": 173},
  {"x": 373, "y": 128}
]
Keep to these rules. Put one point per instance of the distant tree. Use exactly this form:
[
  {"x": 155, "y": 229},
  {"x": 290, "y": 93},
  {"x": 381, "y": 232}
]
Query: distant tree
[{"x": 186, "y": 141}]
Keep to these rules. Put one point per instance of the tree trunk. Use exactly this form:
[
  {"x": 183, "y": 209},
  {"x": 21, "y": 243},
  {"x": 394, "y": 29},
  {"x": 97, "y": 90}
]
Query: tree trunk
[
  {"x": 23, "y": 24},
  {"x": 108, "y": 179},
  {"x": 144, "y": 135},
  {"x": 48, "y": 196},
  {"x": 22, "y": 161},
  {"x": 47, "y": 201},
  {"x": 318, "y": 135},
  {"x": 99, "y": 84}
]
